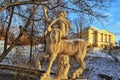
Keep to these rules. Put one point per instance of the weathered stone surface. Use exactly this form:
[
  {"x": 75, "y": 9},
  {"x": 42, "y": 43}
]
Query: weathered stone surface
[{"x": 63, "y": 67}]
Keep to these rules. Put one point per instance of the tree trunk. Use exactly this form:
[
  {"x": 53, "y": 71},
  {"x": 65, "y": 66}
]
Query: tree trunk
[
  {"x": 6, "y": 34},
  {"x": 5, "y": 52},
  {"x": 31, "y": 43}
]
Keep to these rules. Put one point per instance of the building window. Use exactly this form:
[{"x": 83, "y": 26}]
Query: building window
[
  {"x": 109, "y": 38},
  {"x": 105, "y": 37},
  {"x": 92, "y": 37},
  {"x": 101, "y": 37}
]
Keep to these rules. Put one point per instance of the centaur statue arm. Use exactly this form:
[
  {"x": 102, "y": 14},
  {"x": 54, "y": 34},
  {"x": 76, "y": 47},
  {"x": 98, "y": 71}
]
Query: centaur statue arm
[
  {"x": 46, "y": 15},
  {"x": 49, "y": 28},
  {"x": 64, "y": 27}
]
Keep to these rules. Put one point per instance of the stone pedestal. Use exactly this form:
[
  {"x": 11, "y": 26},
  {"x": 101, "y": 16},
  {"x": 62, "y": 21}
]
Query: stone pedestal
[{"x": 63, "y": 67}]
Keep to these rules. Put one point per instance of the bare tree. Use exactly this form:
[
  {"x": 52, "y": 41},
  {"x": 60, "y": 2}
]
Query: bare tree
[
  {"x": 5, "y": 52},
  {"x": 9, "y": 24},
  {"x": 31, "y": 42},
  {"x": 5, "y": 5},
  {"x": 80, "y": 23},
  {"x": 92, "y": 9}
]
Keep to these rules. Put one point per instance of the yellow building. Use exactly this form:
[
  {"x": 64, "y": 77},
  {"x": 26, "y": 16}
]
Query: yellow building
[{"x": 98, "y": 38}]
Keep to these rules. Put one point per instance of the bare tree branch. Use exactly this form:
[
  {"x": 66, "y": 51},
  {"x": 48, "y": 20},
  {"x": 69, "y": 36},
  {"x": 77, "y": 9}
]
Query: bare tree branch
[
  {"x": 16, "y": 3},
  {"x": 27, "y": 17}
]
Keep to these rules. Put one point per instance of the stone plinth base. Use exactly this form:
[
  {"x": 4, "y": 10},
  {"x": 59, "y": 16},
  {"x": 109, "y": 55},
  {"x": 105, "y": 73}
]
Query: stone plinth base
[{"x": 63, "y": 67}]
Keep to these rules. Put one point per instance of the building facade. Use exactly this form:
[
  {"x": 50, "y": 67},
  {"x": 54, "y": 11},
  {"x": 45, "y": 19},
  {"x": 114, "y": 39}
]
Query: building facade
[{"x": 98, "y": 38}]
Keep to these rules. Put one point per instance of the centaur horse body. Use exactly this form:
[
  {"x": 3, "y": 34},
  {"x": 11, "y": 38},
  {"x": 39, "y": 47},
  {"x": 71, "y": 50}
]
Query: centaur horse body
[{"x": 55, "y": 45}]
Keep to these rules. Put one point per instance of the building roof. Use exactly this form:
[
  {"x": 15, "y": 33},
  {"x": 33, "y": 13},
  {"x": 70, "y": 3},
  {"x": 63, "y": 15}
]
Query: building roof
[
  {"x": 108, "y": 32},
  {"x": 92, "y": 27}
]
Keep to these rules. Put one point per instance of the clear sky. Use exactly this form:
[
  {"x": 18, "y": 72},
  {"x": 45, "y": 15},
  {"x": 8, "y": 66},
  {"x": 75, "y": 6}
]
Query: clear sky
[
  {"x": 114, "y": 19},
  {"x": 1, "y": 1}
]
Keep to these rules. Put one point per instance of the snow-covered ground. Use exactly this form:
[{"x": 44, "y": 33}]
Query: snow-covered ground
[
  {"x": 103, "y": 66},
  {"x": 100, "y": 65},
  {"x": 20, "y": 54}
]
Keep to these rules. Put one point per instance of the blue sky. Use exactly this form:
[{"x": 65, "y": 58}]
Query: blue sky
[{"x": 114, "y": 19}]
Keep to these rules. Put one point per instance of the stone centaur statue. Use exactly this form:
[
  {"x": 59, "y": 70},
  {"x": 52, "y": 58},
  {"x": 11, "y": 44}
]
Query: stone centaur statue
[{"x": 56, "y": 46}]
